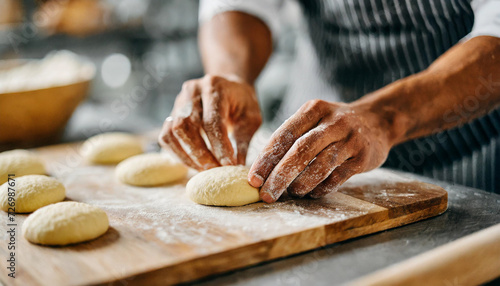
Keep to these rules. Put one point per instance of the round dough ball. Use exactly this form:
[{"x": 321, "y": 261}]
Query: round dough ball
[
  {"x": 65, "y": 223},
  {"x": 19, "y": 162},
  {"x": 31, "y": 193},
  {"x": 222, "y": 186},
  {"x": 111, "y": 148},
  {"x": 150, "y": 169}
]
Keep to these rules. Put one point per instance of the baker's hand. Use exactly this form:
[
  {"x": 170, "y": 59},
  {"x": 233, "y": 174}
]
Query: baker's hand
[
  {"x": 216, "y": 106},
  {"x": 317, "y": 149}
]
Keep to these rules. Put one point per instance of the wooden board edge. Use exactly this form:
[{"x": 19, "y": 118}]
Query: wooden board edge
[
  {"x": 388, "y": 224},
  {"x": 233, "y": 259},
  {"x": 265, "y": 251},
  {"x": 470, "y": 260}
]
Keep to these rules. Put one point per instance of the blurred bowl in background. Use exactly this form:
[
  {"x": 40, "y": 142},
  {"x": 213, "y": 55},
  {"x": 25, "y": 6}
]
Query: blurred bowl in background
[
  {"x": 11, "y": 13},
  {"x": 36, "y": 107}
]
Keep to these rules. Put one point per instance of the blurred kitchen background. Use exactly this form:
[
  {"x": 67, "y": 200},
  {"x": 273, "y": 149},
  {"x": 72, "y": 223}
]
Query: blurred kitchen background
[{"x": 143, "y": 50}]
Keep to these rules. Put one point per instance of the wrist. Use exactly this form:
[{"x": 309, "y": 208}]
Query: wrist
[
  {"x": 234, "y": 77},
  {"x": 388, "y": 124}
]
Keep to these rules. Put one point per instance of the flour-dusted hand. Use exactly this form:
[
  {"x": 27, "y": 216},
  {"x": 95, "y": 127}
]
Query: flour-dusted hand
[
  {"x": 217, "y": 106},
  {"x": 317, "y": 149}
]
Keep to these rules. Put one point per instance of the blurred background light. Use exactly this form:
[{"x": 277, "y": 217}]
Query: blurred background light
[{"x": 115, "y": 70}]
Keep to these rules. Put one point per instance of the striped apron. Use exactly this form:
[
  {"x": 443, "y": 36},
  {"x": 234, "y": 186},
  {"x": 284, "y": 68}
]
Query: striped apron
[{"x": 363, "y": 45}]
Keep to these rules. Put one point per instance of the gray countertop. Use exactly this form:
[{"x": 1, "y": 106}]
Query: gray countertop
[{"x": 469, "y": 210}]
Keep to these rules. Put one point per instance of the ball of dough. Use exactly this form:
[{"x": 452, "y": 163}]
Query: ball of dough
[
  {"x": 20, "y": 163},
  {"x": 65, "y": 223},
  {"x": 150, "y": 169},
  {"x": 222, "y": 186},
  {"x": 31, "y": 192},
  {"x": 111, "y": 148}
]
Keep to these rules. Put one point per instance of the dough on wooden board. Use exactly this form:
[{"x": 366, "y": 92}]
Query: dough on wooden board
[
  {"x": 65, "y": 223},
  {"x": 110, "y": 148},
  {"x": 19, "y": 162},
  {"x": 222, "y": 186},
  {"x": 150, "y": 169},
  {"x": 30, "y": 193}
]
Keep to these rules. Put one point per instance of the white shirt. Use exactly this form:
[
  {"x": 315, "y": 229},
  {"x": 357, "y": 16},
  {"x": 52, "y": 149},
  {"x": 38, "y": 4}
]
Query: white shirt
[{"x": 486, "y": 13}]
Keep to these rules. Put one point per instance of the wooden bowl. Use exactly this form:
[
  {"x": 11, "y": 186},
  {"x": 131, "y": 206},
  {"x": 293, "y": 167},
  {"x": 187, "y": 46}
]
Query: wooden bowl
[{"x": 37, "y": 117}]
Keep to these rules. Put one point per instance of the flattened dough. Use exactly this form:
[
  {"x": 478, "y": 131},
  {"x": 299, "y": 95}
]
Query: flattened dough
[
  {"x": 222, "y": 186},
  {"x": 19, "y": 162},
  {"x": 111, "y": 148},
  {"x": 150, "y": 169},
  {"x": 31, "y": 193},
  {"x": 65, "y": 223}
]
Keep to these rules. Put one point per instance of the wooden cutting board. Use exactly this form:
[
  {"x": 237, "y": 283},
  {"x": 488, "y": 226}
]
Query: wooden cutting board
[{"x": 158, "y": 236}]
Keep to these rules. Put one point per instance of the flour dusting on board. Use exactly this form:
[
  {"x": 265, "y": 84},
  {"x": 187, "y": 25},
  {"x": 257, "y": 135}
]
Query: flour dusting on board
[
  {"x": 376, "y": 177},
  {"x": 164, "y": 214}
]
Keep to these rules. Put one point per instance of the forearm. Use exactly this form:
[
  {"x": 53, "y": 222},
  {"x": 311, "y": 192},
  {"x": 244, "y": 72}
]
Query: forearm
[
  {"x": 459, "y": 86},
  {"x": 235, "y": 43}
]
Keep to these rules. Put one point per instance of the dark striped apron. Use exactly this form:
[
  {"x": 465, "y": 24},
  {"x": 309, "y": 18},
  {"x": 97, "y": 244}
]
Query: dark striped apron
[{"x": 363, "y": 45}]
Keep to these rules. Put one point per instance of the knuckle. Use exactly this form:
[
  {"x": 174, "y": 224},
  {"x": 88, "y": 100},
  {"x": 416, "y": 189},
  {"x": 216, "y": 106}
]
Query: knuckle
[
  {"x": 180, "y": 124},
  {"x": 212, "y": 80},
  {"x": 185, "y": 86},
  {"x": 304, "y": 141},
  {"x": 313, "y": 108},
  {"x": 189, "y": 84},
  {"x": 315, "y": 103},
  {"x": 163, "y": 138},
  {"x": 342, "y": 119},
  {"x": 165, "y": 133}
]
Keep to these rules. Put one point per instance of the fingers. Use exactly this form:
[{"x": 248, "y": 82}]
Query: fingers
[
  {"x": 281, "y": 141},
  {"x": 210, "y": 106},
  {"x": 188, "y": 134},
  {"x": 319, "y": 169},
  {"x": 341, "y": 174},
  {"x": 215, "y": 127},
  {"x": 182, "y": 132},
  {"x": 167, "y": 139},
  {"x": 242, "y": 143},
  {"x": 298, "y": 157}
]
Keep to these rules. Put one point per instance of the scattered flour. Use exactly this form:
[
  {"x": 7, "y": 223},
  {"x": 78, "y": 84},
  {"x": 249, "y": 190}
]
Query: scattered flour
[{"x": 165, "y": 214}]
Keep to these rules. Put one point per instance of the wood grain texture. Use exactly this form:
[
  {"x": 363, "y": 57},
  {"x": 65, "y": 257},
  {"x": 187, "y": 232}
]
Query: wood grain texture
[{"x": 158, "y": 236}]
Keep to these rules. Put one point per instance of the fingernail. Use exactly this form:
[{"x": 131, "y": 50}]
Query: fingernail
[
  {"x": 256, "y": 180},
  {"x": 267, "y": 197},
  {"x": 226, "y": 162}
]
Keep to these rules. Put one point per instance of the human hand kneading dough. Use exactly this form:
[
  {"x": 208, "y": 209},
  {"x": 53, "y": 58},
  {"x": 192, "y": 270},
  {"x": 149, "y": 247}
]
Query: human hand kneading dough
[
  {"x": 317, "y": 149},
  {"x": 217, "y": 106}
]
